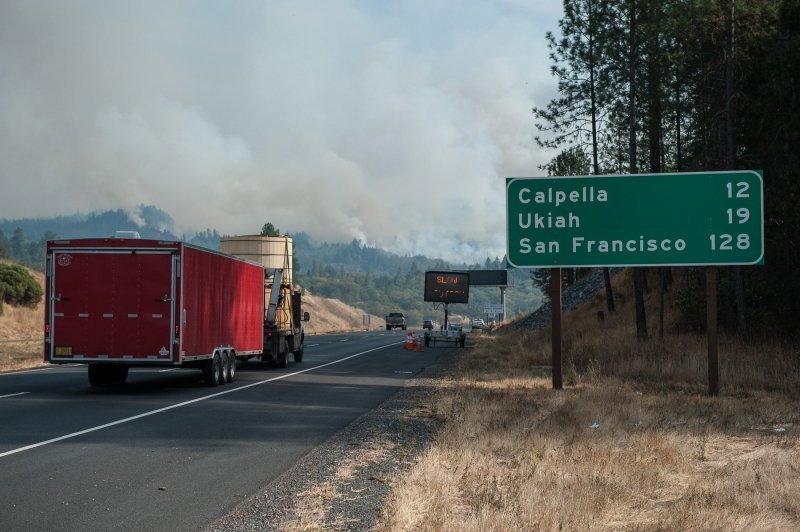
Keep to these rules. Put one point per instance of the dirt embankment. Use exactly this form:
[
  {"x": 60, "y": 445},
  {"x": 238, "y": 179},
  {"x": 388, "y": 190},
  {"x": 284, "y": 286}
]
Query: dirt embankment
[{"x": 331, "y": 315}]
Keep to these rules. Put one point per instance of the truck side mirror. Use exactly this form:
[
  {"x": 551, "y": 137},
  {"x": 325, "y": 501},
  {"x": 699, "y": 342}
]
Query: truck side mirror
[{"x": 306, "y": 316}]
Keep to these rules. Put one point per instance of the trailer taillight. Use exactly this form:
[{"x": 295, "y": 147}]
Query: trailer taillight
[
  {"x": 177, "y": 330},
  {"x": 47, "y": 328}
]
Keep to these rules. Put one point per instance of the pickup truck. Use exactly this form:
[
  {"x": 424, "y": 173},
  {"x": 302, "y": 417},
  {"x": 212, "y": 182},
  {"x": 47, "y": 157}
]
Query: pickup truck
[{"x": 395, "y": 320}]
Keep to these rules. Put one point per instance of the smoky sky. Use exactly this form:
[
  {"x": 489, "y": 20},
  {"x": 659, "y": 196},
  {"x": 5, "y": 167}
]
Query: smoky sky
[{"x": 394, "y": 123}]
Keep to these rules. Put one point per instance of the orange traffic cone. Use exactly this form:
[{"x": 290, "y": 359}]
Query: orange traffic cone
[
  {"x": 409, "y": 341},
  {"x": 419, "y": 345}
]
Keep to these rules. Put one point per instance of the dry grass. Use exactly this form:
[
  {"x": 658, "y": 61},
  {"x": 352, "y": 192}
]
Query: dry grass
[
  {"x": 21, "y": 342},
  {"x": 331, "y": 315},
  {"x": 633, "y": 442},
  {"x": 313, "y": 505}
]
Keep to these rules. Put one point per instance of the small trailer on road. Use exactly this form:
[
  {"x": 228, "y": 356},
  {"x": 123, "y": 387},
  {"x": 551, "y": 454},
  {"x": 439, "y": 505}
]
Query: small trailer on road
[
  {"x": 117, "y": 303},
  {"x": 452, "y": 335}
]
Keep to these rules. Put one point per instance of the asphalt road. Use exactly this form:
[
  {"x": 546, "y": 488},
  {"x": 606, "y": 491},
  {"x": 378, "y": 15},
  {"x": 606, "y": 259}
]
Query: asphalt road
[{"x": 164, "y": 452}]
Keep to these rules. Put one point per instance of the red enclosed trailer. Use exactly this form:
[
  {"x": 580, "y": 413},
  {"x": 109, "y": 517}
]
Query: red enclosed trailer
[{"x": 115, "y": 303}]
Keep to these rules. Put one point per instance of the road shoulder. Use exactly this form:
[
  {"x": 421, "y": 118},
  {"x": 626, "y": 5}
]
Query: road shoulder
[{"x": 343, "y": 483}]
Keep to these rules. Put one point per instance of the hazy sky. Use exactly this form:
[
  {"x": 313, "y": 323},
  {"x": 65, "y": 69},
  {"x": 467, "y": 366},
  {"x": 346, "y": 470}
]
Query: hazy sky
[{"x": 394, "y": 122}]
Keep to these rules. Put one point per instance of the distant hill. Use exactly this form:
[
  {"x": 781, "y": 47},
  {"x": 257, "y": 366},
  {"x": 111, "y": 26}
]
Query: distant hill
[{"x": 369, "y": 278}]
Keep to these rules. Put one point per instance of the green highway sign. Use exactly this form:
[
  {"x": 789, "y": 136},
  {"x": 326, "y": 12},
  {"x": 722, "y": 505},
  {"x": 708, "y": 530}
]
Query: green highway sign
[{"x": 681, "y": 219}]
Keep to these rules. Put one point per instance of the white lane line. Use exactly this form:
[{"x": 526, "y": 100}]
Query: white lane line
[
  {"x": 28, "y": 371},
  {"x": 185, "y": 403},
  {"x": 13, "y": 394},
  {"x": 313, "y": 345}
]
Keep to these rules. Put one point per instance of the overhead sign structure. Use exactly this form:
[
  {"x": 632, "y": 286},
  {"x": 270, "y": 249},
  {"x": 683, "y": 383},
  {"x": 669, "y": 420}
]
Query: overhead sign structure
[
  {"x": 488, "y": 277},
  {"x": 680, "y": 219},
  {"x": 447, "y": 287}
]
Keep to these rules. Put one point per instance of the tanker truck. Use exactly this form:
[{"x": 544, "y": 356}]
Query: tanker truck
[{"x": 120, "y": 303}]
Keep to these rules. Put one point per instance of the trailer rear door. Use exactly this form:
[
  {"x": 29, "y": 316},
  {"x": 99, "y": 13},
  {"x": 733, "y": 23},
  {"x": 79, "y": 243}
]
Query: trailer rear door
[{"x": 112, "y": 304}]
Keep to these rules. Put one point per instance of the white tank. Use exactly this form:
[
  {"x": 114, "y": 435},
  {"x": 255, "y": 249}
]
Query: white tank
[{"x": 269, "y": 251}]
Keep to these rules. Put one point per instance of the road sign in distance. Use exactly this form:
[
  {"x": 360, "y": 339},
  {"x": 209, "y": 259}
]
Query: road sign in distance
[
  {"x": 708, "y": 218},
  {"x": 447, "y": 287}
]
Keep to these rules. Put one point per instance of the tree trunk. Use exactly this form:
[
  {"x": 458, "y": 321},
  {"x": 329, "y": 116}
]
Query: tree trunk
[
  {"x": 678, "y": 154},
  {"x": 595, "y": 149},
  {"x": 663, "y": 276},
  {"x": 730, "y": 156},
  {"x": 641, "y": 319},
  {"x": 609, "y": 292}
]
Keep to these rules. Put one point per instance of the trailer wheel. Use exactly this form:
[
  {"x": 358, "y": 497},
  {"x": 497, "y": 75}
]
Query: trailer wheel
[
  {"x": 223, "y": 367},
  {"x": 212, "y": 370},
  {"x": 230, "y": 369},
  {"x": 97, "y": 375},
  {"x": 118, "y": 374},
  {"x": 298, "y": 355}
]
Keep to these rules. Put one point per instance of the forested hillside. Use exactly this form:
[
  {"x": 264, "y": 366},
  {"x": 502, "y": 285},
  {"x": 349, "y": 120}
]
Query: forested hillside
[
  {"x": 369, "y": 278},
  {"x": 23, "y": 240},
  {"x": 688, "y": 86},
  {"x": 382, "y": 282}
]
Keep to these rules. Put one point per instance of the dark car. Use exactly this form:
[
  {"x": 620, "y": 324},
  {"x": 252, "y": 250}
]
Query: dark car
[{"x": 427, "y": 324}]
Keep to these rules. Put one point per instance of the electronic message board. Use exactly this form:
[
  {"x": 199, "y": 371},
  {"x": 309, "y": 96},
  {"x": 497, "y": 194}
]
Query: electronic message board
[{"x": 447, "y": 287}]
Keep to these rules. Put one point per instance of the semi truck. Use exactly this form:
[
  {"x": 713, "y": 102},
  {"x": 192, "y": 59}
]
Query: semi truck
[{"x": 117, "y": 303}]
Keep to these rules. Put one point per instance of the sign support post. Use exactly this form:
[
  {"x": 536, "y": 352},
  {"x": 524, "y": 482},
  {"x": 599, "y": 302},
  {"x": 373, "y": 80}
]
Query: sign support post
[
  {"x": 711, "y": 326},
  {"x": 555, "y": 302}
]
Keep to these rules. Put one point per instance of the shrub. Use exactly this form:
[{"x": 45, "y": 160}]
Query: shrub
[{"x": 18, "y": 286}]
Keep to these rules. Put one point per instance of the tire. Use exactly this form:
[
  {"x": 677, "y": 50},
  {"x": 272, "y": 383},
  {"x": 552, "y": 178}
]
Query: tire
[
  {"x": 388, "y": 328},
  {"x": 97, "y": 375},
  {"x": 298, "y": 355},
  {"x": 224, "y": 362},
  {"x": 461, "y": 341},
  {"x": 118, "y": 374},
  {"x": 283, "y": 354},
  {"x": 212, "y": 370},
  {"x": 230, "y": 370},
  {"x": 404, "y": 327}
]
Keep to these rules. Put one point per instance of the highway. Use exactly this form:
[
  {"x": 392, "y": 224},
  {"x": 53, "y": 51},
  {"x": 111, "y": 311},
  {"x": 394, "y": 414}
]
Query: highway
[{"x": 165, "y": 452}]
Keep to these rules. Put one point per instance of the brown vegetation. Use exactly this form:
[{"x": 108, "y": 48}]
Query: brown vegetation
[
  {"x": 633, "y": 442},
  {"x": 21, "y": 333},
  {"x": 331, "y": 315}
]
